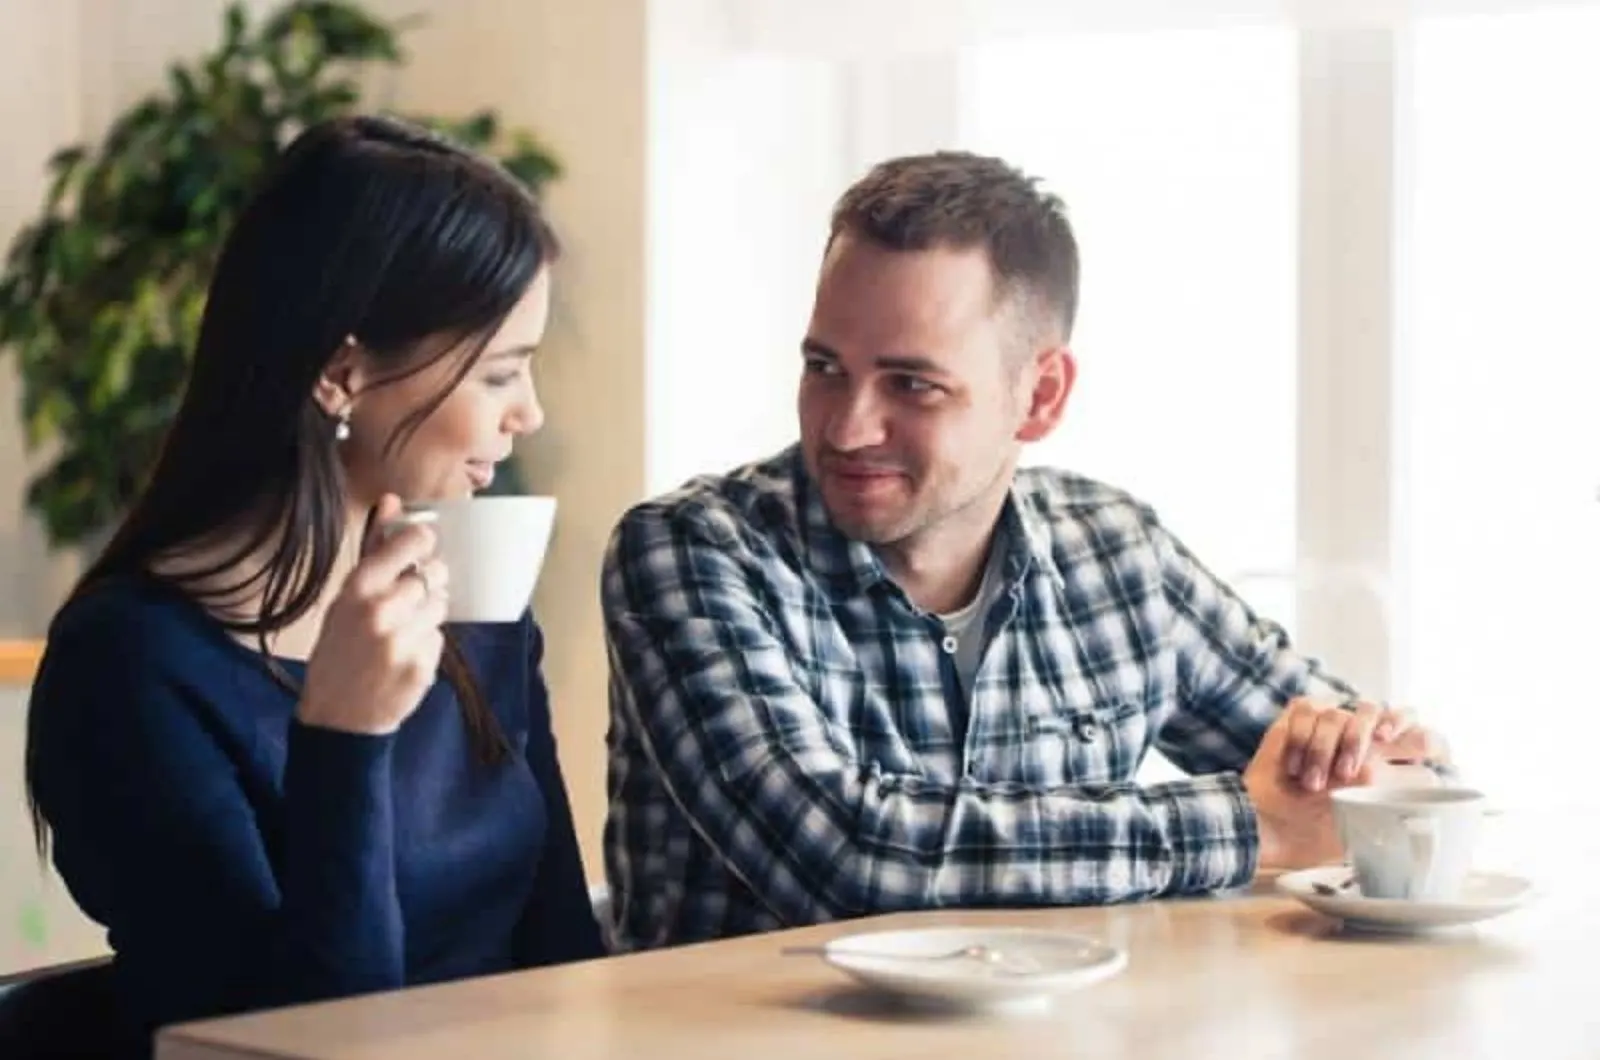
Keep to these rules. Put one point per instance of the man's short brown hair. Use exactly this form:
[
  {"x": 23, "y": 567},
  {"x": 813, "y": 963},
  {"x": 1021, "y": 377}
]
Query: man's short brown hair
[{"x": 959, "y": 200}]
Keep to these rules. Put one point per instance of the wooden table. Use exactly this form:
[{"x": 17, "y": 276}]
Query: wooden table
[{"x": 1253, "y": 975}]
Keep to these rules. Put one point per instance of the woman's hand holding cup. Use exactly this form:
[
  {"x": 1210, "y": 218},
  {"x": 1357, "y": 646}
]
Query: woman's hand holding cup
[{"x": 380, "y": 645}]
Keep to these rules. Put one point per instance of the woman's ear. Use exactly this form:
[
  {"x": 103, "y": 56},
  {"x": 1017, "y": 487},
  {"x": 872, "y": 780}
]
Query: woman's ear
[{"x": 336, "y": 387}]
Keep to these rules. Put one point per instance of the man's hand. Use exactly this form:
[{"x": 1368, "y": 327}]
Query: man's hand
[
  {"x": 1327, "y": 746},
  {"x": 1295, "y": 824}
]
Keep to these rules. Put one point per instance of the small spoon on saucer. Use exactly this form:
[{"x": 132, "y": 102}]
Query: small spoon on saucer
[{"x": 1331, "y": 891}]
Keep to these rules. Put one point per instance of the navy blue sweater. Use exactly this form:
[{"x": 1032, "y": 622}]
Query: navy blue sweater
[{"x": 241, "y": 860}]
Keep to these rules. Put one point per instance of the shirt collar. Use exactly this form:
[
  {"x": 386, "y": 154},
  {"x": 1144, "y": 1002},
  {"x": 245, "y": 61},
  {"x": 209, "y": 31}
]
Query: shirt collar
[
  {"x": 1032, "y": 529},
  {"x": 847, "y": 567}
]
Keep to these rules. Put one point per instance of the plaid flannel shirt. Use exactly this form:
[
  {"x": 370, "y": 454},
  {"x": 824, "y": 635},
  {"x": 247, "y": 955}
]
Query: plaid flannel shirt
[{"x": 789, "y": 742}]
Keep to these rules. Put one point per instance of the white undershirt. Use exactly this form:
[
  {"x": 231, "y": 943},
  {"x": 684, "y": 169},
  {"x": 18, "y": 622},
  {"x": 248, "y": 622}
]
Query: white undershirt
[{"x": 966, "y": 624}]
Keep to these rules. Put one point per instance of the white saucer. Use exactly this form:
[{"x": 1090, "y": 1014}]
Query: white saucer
[
  {"x": 1033, "y": 966},
  {"x": 1484, "y": 895}
]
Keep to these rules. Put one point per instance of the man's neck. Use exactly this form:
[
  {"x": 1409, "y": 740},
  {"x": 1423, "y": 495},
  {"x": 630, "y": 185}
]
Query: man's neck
[{"x": 942, "y": 569}]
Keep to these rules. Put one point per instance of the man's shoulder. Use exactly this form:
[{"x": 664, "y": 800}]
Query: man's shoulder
[
  {"x": 751, "y": 502},
  {"x": 1070, "y": 504}
]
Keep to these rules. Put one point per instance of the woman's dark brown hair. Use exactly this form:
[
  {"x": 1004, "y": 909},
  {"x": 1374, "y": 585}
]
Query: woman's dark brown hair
[{"x": 367, "y": 227}]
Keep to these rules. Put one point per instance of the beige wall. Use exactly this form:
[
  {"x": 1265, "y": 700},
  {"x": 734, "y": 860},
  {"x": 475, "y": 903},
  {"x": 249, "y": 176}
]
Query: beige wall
[
  {"x": 39, "y": 51},
  {"x": 573, "y": 71}
]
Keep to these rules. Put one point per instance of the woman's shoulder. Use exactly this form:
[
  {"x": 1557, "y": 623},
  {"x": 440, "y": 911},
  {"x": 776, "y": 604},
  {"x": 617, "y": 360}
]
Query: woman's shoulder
[{"x": 126, "y": 624}]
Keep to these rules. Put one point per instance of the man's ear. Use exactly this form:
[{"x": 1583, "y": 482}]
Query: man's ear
[
  {"x": 336, "y": 387},
  {"x": 1053, "y": 371}
]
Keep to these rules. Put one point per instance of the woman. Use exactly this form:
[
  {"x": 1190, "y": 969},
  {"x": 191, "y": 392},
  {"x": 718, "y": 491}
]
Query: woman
[{"x": 264, "y": 765}]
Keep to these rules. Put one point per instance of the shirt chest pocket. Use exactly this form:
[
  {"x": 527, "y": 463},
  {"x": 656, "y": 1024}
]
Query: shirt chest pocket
[{"x": 1078, "y": 739}]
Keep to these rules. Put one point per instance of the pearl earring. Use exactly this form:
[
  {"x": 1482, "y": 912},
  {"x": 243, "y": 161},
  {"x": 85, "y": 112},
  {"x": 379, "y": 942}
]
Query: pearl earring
[{"x": 341, "y": 429}]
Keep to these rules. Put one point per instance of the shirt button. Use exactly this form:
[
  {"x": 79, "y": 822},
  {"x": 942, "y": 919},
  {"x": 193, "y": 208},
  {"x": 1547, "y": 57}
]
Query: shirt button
[
  {"x": 949, "y": 645},
  {"x": 1086, "y": 729}
]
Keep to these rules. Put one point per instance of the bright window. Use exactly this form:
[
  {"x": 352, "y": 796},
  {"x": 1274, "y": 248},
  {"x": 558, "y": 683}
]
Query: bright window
[
  {"x": 1500, "y": 529},
  {"x": 1176, "y": 155}
]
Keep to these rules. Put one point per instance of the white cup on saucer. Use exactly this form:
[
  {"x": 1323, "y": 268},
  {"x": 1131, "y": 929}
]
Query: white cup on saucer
[
  {"x": 494, "y": 548},
  {"x": 1412, "y": 843}
]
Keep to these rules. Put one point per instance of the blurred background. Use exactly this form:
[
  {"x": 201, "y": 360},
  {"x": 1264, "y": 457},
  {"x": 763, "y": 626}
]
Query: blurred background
[{"x": 1337, "y": 318}]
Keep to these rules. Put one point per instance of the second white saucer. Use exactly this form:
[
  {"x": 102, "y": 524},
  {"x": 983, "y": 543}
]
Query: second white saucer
[{"x": 1484, "y": 895}]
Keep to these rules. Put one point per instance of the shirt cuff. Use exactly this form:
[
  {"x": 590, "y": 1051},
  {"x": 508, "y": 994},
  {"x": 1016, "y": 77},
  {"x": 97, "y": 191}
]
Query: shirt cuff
[{"x": 1211, "y": 825}]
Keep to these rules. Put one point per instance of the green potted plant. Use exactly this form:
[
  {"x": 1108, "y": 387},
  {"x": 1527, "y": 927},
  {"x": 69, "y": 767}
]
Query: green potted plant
[{"x": 101, "y": 295}]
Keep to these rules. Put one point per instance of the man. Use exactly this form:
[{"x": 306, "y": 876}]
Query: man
[{"x": 888, "y": 670}]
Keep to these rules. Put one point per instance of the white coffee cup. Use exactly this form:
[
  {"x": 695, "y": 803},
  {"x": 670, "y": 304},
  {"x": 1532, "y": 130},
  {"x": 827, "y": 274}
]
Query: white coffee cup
[
  {"x": 494, "y": 548},
  {"x": 1413, "y": 843}
]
